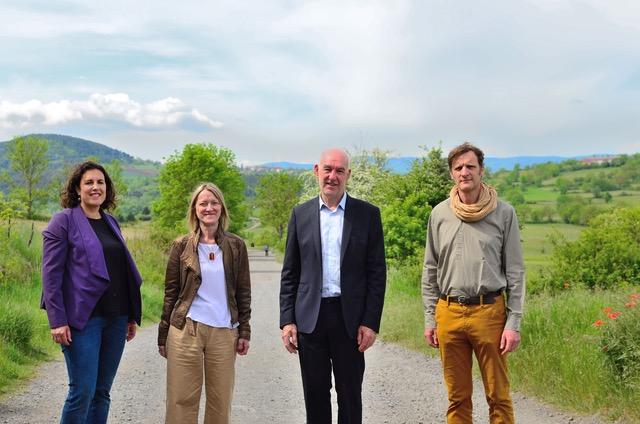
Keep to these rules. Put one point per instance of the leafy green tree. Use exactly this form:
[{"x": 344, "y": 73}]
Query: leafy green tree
[
  {"x": 515, "y": 197},
  {"x": 368, "y": 174},
  {"x": 10, "y": 210},
  {"x": 115, "y": 173},
  {"x": 276, "y": 194},
  {"x": 183, "y": 171},
  {"x": 28, "y": 160},
  {"x": 563, "y": 185},
  {"x": 407, "y": 204}
]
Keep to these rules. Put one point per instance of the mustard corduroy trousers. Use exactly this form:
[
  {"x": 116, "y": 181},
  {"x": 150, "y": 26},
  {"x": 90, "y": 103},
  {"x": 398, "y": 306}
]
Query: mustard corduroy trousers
[{"x": 463, "y": 330}]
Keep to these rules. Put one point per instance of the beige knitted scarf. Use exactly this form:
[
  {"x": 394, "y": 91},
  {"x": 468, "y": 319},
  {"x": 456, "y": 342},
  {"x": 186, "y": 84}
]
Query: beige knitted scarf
[{"x": 487, "y": 202}]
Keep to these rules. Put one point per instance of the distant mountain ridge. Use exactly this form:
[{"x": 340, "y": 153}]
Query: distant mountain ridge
[{"x": 402, "y": 165}]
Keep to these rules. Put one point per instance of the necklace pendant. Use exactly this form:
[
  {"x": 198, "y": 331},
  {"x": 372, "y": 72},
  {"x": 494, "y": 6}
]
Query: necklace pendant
[{"x": 212, "y": 256}]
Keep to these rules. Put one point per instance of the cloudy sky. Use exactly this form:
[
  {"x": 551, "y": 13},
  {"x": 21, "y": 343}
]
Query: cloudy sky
[{"x": 278, "y": 80}]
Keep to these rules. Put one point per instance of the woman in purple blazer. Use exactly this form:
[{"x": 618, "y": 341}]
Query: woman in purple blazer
[{"x": 91, "y": 291}]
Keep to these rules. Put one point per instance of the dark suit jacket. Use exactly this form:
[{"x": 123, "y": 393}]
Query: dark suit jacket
[
  {"x": 362, "y": 267},
  {"x": 74, "y": 271}
]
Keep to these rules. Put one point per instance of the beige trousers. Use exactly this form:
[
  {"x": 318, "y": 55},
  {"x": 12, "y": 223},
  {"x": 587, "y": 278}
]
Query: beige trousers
[{"x": 195, "y": 350}]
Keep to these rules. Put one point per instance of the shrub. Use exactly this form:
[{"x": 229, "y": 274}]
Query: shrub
[
  {"x": 621, "y": 342},
  {"x": 605, "y": 255},
  {"x": 16, "y": 326}
]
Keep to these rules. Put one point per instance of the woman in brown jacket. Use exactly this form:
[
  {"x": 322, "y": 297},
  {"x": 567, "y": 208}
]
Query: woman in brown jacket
[{"x": 205, "y": 317}]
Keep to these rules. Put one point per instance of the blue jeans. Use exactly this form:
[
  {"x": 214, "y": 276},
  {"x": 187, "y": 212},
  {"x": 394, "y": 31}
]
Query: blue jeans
[{"x": 92, "y": 361}]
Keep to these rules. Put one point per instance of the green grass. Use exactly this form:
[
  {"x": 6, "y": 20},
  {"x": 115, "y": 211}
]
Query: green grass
[
  {"x": 540, "y": 195},
  {"x": 403, "y": 316},
  {"x": 561, "y": 360},
  {"x": 537, "y": 249},
  {"x": 19, "y": 307}
]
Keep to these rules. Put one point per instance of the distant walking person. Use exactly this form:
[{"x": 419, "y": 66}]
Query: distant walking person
[
  {"x": 206, "y": 312},
  {"x": 91, "y": 291},
  {"x": 332, "y": 291},
  {"x": 473, "y": 260},
  {"x": 266, "y": 250}
]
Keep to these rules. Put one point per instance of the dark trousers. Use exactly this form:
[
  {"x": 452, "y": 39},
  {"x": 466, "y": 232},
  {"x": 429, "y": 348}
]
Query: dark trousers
[{"x": 329, "y": 347}]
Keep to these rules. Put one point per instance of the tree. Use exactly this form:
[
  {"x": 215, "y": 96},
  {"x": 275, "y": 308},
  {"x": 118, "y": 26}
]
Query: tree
[
  {"x": 28, "y": 158},
  {"x": 408, "y": 202},
  {"x": 183, "y": 171},
  {"x": 115, "y": 173},
  {"x": 276, "y": 194},
  {"x": 368, "y": 174},
  {"x": 10, "y": 210}
]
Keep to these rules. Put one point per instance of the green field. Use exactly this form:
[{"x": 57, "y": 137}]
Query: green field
[
  {"x": 541, "y": 195},
  {"x": 537, "y": 248}
]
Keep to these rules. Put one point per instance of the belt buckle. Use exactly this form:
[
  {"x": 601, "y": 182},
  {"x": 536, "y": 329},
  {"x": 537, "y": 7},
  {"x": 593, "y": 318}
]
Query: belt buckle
[{"x": 462, "y": 300}]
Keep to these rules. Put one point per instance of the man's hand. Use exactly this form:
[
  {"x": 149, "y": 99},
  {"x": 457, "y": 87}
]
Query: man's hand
[
  {"x": 366, "y": 338},
  {"x": 290, "y": 337},
  {"x": 431, "y": 337},
  {"x": 509, "y": 341}
]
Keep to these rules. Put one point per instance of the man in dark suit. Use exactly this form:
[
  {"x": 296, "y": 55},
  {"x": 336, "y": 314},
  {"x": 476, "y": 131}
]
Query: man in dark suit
[{"x": 332, "y": 290}]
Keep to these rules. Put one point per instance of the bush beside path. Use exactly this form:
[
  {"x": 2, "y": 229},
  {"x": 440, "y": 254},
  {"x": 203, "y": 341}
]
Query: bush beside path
[{"x": 400, "y": 386}]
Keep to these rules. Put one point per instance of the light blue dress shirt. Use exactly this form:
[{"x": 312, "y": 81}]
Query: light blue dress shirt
[{"x": 331, "y": 223}]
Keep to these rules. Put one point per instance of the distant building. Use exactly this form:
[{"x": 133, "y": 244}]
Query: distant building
[{"x": 598, "y": 160}]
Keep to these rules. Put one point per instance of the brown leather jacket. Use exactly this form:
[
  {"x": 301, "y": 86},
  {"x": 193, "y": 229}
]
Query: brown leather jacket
[{"x": 183, "y": 278}]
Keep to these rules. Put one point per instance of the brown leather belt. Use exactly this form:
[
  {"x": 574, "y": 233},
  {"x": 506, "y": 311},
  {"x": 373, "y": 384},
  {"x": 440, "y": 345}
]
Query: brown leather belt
[{"x": 487, "y": 298}]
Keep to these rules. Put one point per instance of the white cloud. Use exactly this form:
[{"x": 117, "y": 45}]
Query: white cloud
[{"x": 118, "y": 107}]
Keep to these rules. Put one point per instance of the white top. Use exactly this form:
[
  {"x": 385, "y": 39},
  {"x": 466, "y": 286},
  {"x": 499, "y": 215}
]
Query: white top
[
  {"x": 331, "y": 223},
  {"x": 210, "y": 305}
]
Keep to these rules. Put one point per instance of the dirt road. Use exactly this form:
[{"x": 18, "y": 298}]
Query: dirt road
[{"x": 400, "y": 386}]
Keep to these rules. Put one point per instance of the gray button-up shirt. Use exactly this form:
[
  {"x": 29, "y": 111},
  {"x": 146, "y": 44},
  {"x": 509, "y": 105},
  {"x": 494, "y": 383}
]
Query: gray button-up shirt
[{"x": 473, "y": 258}]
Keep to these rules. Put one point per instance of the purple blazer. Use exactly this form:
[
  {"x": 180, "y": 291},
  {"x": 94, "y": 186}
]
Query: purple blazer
[{"x": 74, "y": 272}]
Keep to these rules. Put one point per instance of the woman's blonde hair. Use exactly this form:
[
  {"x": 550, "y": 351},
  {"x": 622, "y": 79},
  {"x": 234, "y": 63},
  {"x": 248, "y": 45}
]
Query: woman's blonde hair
[{"x": 192, "y": 218}]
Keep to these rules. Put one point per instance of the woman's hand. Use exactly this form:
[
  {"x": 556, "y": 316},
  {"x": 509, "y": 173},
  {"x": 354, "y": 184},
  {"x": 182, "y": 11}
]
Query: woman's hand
[
  {"x": 61, "y": 335},
  {"x": 162, "y": 350},
  {"x": 131, "y": 330},
  {"x": 242, "y": 347}
]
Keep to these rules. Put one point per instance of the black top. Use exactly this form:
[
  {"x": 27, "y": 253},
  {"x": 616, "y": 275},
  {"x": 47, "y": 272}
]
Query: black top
[{"x": 115, "y": 301}]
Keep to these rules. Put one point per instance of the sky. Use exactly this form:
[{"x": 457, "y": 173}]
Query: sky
[{"x": 282, "y": 80}]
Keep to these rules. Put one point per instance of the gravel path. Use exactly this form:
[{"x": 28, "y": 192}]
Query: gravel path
[{"x": 400, "y": 386}]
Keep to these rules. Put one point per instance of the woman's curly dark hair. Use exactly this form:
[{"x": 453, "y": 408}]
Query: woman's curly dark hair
[{"x": 69, "y": 197}]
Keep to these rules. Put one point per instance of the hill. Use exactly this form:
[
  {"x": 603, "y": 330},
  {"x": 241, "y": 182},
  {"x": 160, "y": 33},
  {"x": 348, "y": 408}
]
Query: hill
[{"x": 65, "y": 150}]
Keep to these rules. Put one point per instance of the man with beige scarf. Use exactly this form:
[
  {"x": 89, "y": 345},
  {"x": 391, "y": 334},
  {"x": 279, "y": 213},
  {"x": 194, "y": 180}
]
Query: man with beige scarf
[{"x": 473, "y": 260}]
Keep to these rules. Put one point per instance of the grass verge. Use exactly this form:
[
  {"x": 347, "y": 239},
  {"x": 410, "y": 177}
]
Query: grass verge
[{"x": 561, "y": 359}]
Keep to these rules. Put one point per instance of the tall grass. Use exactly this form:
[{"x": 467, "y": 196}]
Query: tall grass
[
  {"x": 24, "y": 331},
  {"x": 403, "y": 316}
]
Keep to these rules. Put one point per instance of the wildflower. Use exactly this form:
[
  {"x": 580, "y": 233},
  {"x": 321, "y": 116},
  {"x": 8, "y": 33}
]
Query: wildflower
[
  {"x": 634, "y": 296},
  {"x": 614, "y": 315},
  {"x": 631, "y": 304},
  {"x": 566, "y": 285},
  {"x": 607, "y": 310},
  {"x": 598, "y": 323}
]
